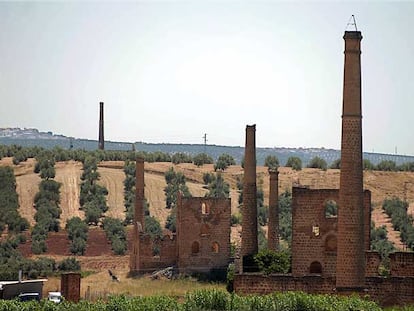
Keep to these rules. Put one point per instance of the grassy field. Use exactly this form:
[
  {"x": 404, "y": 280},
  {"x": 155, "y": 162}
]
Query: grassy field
[{"x": 99, "y": 285}]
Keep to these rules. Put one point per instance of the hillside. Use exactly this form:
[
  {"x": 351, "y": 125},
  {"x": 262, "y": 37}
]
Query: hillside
[
  {"x": 381, "y": 184},
  {"x": 48, "y": 140}
]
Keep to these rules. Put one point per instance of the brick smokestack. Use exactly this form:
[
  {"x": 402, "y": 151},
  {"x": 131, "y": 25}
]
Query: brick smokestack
[
  {"x": 139, "y": 193},
  {"x": 134, "y": 257},
  {"x": 273, "y": 228},
  {"x": 350, "y": 263},
  {"x": 249, "y": 209},
  {"x": 101, "y": 142}
]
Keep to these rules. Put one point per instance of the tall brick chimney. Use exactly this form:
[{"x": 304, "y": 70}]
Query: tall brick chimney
[
  {"x": 134, "y": 257},
  {"x": 139, "y": 193},
  {"x": 101, "y": 143},
  {"x": 350, "y": 263},
  {"x": 249, "y": 209},
  {"x": 273, "y": 228}
]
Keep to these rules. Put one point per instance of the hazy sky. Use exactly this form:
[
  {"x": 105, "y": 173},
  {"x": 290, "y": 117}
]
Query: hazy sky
[{"x": 172, "y": 71}]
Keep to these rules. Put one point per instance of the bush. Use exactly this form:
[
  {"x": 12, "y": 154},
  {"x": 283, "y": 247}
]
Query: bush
[
  {"x": 295, "y": 163},
  {"x": 336, "y": 164},
  {"x": 78, "y": 246},
  {"x": 223, "y": 162},
  {"x": 272, "y": 162},
  {"x": 69, "y": 264},
  {"x": 115, "y": 232},
  {"x": 38, "y": 245},
  {"x": 180, "y": 157},
  {"x": 318, "y": 162},
  {"x": 202, "y": 158},
  {"x": 285, "y": 216},
  {"x": 170, "y": 224},
  {"x": 119, "y": 246},
  {"x": 387, "y": 165},
  {"x": 153, "y": 227},
  {"x": 218, "y": 188},
  {"x": 175, "y": 183},
  {"x": 270, "y": 261},
  {"x": 208, "y": 178},
  {"x": 367, "y": 165},
  {"x": 235, "y": 219}
]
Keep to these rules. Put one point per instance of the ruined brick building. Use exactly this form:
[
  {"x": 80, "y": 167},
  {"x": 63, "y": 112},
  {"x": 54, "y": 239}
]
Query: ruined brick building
[
  {"x": 202, "y": 241},
  {"x": 330, "y": 253}
]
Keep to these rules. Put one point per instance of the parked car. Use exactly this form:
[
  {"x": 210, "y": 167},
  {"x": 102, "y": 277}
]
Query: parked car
[
  {"x": 29, "y": 296},
  {"x": 55, "y": 297}
]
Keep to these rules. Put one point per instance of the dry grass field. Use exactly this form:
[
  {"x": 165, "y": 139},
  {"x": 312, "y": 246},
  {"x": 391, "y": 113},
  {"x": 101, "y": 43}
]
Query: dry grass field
[{"x": 381, "y": 184}]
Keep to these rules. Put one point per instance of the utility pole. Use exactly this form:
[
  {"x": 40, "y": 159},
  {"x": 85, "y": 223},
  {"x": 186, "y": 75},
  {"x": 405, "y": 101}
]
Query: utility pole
[{"x": 205, "y": 142}]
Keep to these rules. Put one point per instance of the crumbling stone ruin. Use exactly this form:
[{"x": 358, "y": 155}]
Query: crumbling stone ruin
[
  {"x": 330, "y": 253},
  {"x": 202, "y": 240},
  {"x": 330, "y": 250}
]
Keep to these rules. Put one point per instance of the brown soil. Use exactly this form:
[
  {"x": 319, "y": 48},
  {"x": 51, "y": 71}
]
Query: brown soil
[
  {"x": 68, "y": 174},
  {"x": 112, "y": 179}
]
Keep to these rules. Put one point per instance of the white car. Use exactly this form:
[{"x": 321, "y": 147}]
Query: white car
[{"x": 55, "y": 297}]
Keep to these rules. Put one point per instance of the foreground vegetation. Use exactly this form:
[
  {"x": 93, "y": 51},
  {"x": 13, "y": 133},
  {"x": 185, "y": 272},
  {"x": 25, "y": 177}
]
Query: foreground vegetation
[{"x": 208, "y": 300}]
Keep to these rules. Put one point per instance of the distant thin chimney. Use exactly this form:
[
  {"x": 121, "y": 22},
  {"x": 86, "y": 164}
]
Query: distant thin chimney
[{"x": 101, "y": 143}]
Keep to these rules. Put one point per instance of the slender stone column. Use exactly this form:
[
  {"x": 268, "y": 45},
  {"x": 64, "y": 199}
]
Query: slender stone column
[
  {"x": 101, "y": 142},
  {"x": 139, "y": 194},
  {"x": 350, "y": 265},
  {"x": 134, "y": 257},
  {"x": 249, "y": 210},
  {"x": 273, "y": 227}
]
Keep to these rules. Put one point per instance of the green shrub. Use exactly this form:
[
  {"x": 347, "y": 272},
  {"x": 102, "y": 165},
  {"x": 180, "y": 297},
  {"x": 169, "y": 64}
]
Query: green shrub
[
  {"x": 202, "y": 158},
  {"x": 69, "y": 264},
  {"x": 270, "y": 261},
  {"x": 272, "y": 162},
  {"x": 295, "y": 163},
  {"x": 318, "y": 162}
]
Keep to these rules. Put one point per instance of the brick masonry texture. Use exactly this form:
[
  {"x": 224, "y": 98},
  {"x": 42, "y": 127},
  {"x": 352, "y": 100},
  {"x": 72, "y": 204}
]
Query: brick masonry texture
[
  {"x": 314, "y": 235},
  {"x": 202, "y": 241},
  {"x": 350, "y": 261},
  {"x": 386, "y": 291},
  {"x": 273, "y": 226},
  {"x": 70, "y": 286},
  {"x": 330, "y": 255},
  {"x": 249, "y": 245}
]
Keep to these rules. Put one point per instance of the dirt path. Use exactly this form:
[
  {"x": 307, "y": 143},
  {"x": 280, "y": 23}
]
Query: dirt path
[
  {"x": 68, "y": 174},
  {"x": 27, "y": 186}
]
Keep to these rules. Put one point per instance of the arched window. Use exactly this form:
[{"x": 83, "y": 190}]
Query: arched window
[
  {"x": 315, "y": 267},
  {"x": 215, "y": 248},
  {"x": 331, "y": 209},
  {"x": 195, "y": 247},
  {"x": 205, "y": 209}
]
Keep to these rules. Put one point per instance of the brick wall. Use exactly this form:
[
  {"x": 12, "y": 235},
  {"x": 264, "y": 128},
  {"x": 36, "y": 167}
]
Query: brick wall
[
  {"x": 385, "y": 291},
  {"x": 373, "y": 261},
  {"x": 402, "y": 264},
  {"x": 314, "y": 235},
  {"x": 203, "y": 233},
  {"x": 148, "y": 260}
]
